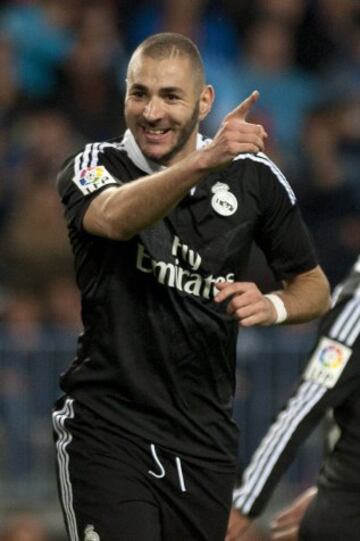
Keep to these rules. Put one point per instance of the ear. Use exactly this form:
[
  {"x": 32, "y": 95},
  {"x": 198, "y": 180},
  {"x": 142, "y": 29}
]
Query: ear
[{"x": 206, "y": 100}]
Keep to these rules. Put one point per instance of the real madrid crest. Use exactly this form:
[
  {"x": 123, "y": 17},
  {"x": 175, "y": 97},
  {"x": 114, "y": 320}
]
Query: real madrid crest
[{"x": 223, "y": 201}]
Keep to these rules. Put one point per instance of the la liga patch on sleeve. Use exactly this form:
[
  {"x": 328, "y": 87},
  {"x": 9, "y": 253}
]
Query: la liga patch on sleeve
[
  {"x": 90, "y": 179},
  {"x": 327, "y": 362}
]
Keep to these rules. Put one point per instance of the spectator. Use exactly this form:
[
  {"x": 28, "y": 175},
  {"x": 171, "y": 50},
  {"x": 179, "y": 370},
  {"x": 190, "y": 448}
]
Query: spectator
[
  {"x": 8, "y": 80},
  {"x": 20, "y": 334},
  {"x": 45, "y": 136},
  {"x": 330, "y": 200},
  {"x": 90, "y": 92},
  {"x": 287, "y": 92},
  {"x": 41, "y": 38},
  {"x": 35, "y": 244},
  {"x": 31, "y": 251},
  {"x": 206, "y": 22},
  {"x": 324, "y": 34}
]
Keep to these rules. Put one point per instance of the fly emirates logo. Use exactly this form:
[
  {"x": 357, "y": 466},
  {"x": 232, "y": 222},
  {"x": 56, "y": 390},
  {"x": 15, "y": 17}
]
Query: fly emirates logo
[{"x": 187, "y": 279}]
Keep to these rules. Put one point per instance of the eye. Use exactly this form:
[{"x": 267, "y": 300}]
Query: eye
[
  {"x": 172, "y": 97},
  {"x": 137, "y": 93}
]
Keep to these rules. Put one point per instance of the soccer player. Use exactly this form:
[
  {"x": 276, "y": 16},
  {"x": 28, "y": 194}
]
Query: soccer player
[
  {"x": 161, "y": 222},
  {"x": 331, "y": 379}
]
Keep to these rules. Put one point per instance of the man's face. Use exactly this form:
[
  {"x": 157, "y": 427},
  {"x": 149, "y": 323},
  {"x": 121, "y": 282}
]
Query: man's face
[{"x": 162, "y": 107}]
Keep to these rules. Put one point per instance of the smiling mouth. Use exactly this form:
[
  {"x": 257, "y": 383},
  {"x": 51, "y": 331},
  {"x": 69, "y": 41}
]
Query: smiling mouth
[{"x": 155, "y": 133}]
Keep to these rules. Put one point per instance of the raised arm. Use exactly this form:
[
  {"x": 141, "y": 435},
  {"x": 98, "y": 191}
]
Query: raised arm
[{"x": 119, "y": 213}]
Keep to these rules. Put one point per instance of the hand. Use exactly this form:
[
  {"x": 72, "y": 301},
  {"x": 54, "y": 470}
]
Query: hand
[
  {"x": 285, "y": 526},
  {"x": 247, "y": 304},
  {"x": 237, "y": 525},
  {"x": 235, "y": 136}
]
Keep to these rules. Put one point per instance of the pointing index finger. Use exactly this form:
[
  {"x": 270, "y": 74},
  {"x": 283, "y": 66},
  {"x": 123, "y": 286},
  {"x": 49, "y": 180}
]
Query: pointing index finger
[{"x": 243, "y": 109}]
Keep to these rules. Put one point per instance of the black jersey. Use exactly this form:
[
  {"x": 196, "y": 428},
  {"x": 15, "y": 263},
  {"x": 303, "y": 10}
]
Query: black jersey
[
  {"x": 331, "y": 379},
  {"x": 157, "y": 355}
]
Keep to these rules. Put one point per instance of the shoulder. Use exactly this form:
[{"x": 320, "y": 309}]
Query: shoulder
[
  {"x": 93, "y": 154},
  {"x": 95, "y": 162},
  {"x": 266, "y": 172}
]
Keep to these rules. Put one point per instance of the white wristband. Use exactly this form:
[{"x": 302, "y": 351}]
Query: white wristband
[{"x": 278, "y": 304}]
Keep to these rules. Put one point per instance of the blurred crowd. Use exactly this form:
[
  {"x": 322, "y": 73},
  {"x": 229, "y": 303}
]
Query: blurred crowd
[{"x": 62, "y": 83}]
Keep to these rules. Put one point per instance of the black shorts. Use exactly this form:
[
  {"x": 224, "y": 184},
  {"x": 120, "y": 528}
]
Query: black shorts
[
  {"x": 116, "y": 488},
  {"x": 333, "y": 515}
]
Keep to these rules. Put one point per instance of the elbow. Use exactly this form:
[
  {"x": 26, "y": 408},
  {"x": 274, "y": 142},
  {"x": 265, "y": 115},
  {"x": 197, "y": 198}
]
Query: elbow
[
  {"x": 324, "y": 306},
  {"x": 320, "y": 291},
  {"x": 105, "y": 217},
  {"x": 119, "y": 231},
  {"x": 118, "y": 226},
  {"x": 108, "y": 226},
  {"x": 324, "y": 303},
  {"x": 115, "y": 217},
  {"x": 309, "y": 296}
]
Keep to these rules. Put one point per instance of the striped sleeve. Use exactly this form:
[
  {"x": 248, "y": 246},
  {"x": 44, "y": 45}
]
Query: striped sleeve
[
  {"x": 82, "y": 178},
  {"x": 330, "y": 376},
  {"x": 346, "y": 328},
  {"x": 262, "y": 158}
]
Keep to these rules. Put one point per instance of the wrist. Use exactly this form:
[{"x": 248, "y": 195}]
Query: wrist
[
  {"x": 202, "y": 160},
  {"x": 279, "y": 307},
  {"x": 194, "y": 166}
]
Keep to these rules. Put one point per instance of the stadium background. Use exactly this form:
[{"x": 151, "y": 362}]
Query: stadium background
[{"x": 62, "y": 68}]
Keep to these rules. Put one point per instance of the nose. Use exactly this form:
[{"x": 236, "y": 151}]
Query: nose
[{"x": 153, "y": 110}]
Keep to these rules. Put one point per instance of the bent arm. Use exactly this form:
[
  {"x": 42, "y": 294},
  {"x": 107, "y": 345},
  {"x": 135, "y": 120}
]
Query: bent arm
[
  {"x": 119, "y": 213},
  {"x": 305, "y": 297}
]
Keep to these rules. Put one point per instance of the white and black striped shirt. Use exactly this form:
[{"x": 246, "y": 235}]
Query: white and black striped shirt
[{"x": 330, "y": 380}]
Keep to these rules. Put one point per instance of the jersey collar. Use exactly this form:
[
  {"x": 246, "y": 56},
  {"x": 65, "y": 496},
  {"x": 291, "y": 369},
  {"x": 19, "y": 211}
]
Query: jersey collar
[{"x": 148, "y": 166}]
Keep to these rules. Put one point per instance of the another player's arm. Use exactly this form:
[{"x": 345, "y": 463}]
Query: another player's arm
[
  {"x": 238, "y": 524},
  {"x": 305, "y": 296},
  {"x": 285, "y": 526},
  {"x": 278, "y": 448},
  {"x": 301, "y": 414},
  {"x": 120, "y": 213}
]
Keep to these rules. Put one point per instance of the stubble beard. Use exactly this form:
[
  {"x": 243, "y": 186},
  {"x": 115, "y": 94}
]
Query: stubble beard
[{"x": 183, "y": 138}]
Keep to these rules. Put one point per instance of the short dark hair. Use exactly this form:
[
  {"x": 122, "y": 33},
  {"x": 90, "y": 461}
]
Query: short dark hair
[{"x": 163, "y": 45}]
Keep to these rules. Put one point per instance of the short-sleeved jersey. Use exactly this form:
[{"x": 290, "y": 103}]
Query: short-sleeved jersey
[
  {"x": 331, "y": 380},
  {"x": 157, "y": 355}
]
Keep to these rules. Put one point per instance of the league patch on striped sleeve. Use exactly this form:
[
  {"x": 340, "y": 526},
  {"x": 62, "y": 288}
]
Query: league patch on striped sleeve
[
  {"x": 327, "y": 362},
  {"x": 90, "y": 179}
]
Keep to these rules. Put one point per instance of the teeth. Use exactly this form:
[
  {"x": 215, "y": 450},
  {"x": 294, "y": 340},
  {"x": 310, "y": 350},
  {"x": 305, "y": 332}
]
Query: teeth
[{"x": 156, "y": 132}]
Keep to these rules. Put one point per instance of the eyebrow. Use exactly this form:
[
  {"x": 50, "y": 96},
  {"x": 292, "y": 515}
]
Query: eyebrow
[
  {"x": 163, "y": 90},
  {"x": 172, "y": 90}
]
